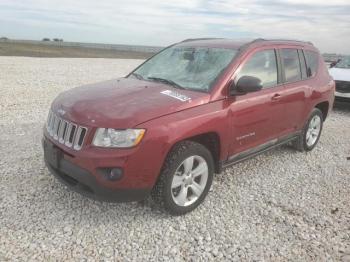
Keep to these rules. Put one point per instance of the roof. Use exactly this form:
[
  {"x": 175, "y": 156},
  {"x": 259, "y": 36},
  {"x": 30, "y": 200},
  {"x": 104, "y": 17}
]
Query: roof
[{"x": 237, "y": 44}]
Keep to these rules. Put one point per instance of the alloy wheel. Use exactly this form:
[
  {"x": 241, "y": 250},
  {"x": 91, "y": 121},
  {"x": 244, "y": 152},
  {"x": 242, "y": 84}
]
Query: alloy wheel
[
  {"x": 189, "y": 181},
  {"x": 313, "y": 131}
]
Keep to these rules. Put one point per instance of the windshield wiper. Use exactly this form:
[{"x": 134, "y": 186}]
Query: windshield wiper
[
  {"x": 138, "y": 76},
  {"x": 166, "y": 81}
]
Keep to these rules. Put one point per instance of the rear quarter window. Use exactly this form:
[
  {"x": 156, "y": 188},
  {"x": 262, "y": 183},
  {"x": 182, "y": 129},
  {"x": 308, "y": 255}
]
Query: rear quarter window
[
  {"x": 291, "y": 64},
  {"x": 311, "y": 62}
]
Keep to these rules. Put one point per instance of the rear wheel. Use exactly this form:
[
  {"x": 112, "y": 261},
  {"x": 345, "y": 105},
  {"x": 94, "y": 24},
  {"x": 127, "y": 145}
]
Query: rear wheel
[
  {"x": 311, "y": 132},
  {"x": 185, "y": 178}
]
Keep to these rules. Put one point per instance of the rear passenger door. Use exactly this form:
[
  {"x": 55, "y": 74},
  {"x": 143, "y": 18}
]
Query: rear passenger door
[{"x": 296, "y": 88}]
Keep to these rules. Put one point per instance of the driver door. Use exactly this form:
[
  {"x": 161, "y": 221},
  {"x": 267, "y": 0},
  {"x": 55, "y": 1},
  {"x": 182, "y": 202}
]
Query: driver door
[{"x": 257, "y": 117}]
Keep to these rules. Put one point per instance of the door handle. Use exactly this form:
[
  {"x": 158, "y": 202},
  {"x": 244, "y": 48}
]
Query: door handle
[{"x": 276, "y": 97}]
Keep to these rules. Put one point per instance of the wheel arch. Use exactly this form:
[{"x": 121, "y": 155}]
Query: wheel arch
[
  {"x": 210, "y": 140},
  {"x": 324, "y": 107}
]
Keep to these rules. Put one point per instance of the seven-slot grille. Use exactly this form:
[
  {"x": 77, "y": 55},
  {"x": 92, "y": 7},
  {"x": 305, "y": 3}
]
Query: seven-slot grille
[
  {"x": 65, "y": 132},
  {"x": 342, "y": 86}
]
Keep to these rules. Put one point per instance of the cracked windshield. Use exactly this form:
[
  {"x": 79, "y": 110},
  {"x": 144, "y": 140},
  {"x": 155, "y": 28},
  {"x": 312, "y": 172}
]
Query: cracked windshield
[{"x": 194, "y": 68}]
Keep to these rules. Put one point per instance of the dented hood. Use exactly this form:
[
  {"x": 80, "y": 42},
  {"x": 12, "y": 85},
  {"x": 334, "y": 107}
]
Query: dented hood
[{"x": 123, "y": 103}]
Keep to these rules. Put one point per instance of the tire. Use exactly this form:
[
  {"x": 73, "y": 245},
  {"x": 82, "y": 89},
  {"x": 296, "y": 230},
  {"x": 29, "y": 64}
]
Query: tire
[
  {"x": 178, "y": 190},
  {"x": 303, "y": 142}
]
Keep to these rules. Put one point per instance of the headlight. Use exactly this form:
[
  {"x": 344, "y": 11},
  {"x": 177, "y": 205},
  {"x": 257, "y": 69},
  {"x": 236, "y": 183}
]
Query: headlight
[{"x": 109, "y": 137}]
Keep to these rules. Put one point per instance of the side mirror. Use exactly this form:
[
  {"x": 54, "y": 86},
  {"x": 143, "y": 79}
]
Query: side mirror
[{"x": 245, "y": 84}]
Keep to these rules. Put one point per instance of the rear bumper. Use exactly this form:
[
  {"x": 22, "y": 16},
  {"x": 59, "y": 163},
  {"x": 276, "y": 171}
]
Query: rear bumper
[{"x": 82, "y": 181}]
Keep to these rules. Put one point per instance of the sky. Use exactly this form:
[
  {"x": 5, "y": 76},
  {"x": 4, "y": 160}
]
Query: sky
[{"x": 163, "y": 22}]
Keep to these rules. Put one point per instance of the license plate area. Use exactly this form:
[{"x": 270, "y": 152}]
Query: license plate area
[{"x": 53, "y": 154}]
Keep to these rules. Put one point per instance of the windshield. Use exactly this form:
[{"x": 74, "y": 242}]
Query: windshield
[
  {"x": 344, "y": 63},
  {"x": 194, "y": 68}
]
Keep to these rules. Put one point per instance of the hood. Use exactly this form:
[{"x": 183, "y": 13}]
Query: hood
[
  {"x": 340, "y": 74},
  {"x": 123, "y": 103}
]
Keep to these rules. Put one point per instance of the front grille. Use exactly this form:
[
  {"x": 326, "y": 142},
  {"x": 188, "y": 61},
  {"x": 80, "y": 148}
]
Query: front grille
[
  {"x": 342, "y": 86},
  {"x": 65, "y": 132}
]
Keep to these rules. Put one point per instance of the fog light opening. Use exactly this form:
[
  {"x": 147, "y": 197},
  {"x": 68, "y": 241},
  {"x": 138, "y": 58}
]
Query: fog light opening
[
  {"x": 111, "y": 173},
  {"x": 115, "y": 174}
]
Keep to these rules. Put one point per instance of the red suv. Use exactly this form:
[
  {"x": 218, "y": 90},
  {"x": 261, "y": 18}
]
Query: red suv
[{"x": 191, "y": 110}]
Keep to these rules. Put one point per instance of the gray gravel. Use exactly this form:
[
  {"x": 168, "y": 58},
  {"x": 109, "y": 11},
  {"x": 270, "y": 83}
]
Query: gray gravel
[{"x": 278, "y": 206}]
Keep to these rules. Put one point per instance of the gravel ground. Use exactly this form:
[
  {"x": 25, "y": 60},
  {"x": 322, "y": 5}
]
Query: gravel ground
[{"x": 282, "y": 205}]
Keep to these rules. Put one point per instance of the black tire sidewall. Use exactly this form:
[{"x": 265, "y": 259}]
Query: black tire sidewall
[
  {"x": 318, "y": 112},
  {"x": 194, "y": 149}
]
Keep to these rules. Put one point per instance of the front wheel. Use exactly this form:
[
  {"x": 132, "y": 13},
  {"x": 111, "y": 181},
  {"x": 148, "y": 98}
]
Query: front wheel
[
  {"x": 311, "y": 132},
  {"x": 185, "y": 178}
]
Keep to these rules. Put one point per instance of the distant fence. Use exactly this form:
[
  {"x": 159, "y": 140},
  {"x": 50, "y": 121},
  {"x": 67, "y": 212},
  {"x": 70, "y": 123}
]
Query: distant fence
[{"x": 135, "y": 48}]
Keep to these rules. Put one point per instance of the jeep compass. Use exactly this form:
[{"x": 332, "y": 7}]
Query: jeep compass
[{"x": 186, "y": 113}]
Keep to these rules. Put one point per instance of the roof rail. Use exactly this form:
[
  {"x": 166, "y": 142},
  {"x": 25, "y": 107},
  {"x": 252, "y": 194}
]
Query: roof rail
[
  {"x": 258, "y": 40},
  {"x": 291, "y": 40},
  {"x": 198, "y": 39}
]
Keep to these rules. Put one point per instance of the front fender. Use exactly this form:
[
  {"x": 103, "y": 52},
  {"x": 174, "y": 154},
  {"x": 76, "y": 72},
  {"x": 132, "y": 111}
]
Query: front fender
[{"x": 164, "y": 132}]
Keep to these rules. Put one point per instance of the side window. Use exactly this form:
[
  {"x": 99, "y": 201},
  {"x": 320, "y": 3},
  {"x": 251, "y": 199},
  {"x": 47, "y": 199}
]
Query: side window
[
  {"x": 291, "y": 65},
  {"x": 302, "y": 64},
  {"x": 311, "y": 63},
  {"x": 263, "y": 66}
]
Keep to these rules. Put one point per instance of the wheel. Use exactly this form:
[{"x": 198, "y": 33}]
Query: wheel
[
  {"x": 185, "y": 178},
  {"x": 311, "y": 132}
]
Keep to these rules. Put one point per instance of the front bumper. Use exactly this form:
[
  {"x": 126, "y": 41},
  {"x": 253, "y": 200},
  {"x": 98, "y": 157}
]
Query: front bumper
[
  {"x": 85, "y": 182},
  {"x": 342, "y": 95},
  {"x": 342, "y": 89}
]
